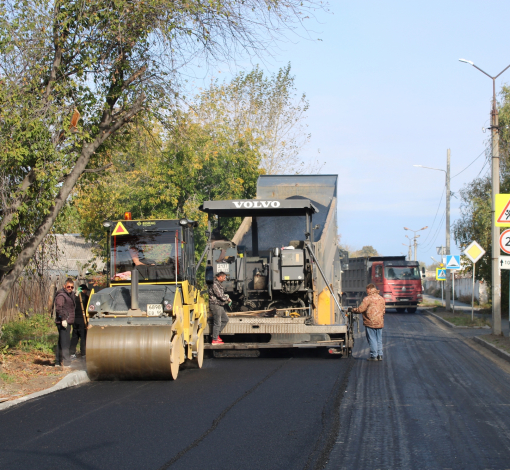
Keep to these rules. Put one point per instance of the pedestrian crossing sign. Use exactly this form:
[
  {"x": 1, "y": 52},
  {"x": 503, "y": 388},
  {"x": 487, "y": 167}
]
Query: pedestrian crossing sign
[
  {"x": 502, "y": 212},
  {"x": 452, "y": 261},
  {"x": 440, "y": 274}
]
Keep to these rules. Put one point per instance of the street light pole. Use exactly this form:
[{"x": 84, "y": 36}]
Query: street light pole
[
  {"x": 415, "y": 242},
  {"x": 447, "y": 223},
  {"x": 496, "y": 273},
  {"x": 448, "y": 194}
]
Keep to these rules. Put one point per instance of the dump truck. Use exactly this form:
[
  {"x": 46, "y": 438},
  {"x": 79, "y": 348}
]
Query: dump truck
[
  {"x": 282, "y": 265},
  {"x": 151, "y": 318},
  {"x": 398, "y": 280}
]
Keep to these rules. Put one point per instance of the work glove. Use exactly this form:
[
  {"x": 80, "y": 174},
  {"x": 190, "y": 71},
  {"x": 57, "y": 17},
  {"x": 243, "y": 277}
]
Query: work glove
[
  {"x": 79, "y": 291},
  {"x": 230, "y": 304},
  {"x": 64, "y": 324}
]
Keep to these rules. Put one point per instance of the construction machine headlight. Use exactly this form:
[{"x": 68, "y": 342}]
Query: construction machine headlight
[
  {"x": 387, "y": 296},
  {"x": 183, "y": 222}
]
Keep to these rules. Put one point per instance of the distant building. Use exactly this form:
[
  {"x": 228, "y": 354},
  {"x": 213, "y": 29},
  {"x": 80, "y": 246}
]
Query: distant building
[{"x": 75, "y": 257}]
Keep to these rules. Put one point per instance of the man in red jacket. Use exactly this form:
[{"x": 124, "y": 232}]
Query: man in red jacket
[
  {"x": 373, "y": 309},
  {"x": 65, "y": 305}
]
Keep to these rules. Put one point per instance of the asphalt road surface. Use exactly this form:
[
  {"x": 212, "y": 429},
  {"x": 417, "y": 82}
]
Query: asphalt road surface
[{"x": 434, "y": 402}]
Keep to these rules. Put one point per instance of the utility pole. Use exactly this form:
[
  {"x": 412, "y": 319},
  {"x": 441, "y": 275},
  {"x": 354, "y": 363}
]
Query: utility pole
[
  {"x": 415, "y": 242},
  {"x": 496, "y": 272},
  {"x": 448, "y": 275}
]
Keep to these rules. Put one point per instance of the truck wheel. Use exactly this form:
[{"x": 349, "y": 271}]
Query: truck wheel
[
  {"x": 411, "y": 309},
  {"x": 401, "y": 310}
]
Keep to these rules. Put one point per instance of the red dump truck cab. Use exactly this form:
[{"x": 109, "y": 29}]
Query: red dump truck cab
[{"x": 398, "y": 281}]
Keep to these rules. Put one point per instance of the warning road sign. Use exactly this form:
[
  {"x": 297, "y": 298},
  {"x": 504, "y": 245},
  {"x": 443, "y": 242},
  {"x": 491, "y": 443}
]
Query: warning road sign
[
  {"x": 452, "y": 261},
  {"x": 504, "y": 241},
  {"x": 120, "y": 229},
  {"x": 474, "y": 251},
  {"x": 502, "y": 212},
  {"x": 440, "y": 274}
]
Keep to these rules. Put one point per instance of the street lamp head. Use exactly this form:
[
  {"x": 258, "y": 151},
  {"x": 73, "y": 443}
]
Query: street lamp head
[
  {"x": 466, "y": 61},
  {"x": 426, "y": 226},
  {"x": 405, "y": 228},
  {"x": 419, "y": 166}
]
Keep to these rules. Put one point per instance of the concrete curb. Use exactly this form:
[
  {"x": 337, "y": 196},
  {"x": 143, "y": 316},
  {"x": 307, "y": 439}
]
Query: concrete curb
[
  {"x": 71, "y": 380},
  {"x": 494, "y": 349},
  {"x": 451, "y": 325}
]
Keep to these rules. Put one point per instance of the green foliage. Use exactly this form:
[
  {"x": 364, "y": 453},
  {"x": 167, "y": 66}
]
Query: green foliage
[
  {"x": 264, "y": 110},
  {"x": 78, "y": 78},
  {"x": 27, "y": 334},
  {"x": 475, "y": 220}
]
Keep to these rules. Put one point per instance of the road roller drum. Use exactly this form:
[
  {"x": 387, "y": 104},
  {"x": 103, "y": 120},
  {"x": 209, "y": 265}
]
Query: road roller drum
[{"x": 130, "y": 352}]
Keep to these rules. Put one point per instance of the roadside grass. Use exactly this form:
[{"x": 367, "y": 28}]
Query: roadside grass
[
  {"x": 8, "y": 379},
  {"x": 462, "y": 319},
  {"x": 501, "y": 342},
  {"x": 27, "y": 356},
  {"x": 36, "y": 333}
]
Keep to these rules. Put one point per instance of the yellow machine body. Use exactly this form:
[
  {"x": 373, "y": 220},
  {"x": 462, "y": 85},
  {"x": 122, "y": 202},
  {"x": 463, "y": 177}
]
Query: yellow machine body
[{"x": 128, "y": 337}]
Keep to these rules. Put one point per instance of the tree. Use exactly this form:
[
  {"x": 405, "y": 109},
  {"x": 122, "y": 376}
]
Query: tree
[
  {"x": 268, "y": 108},
  {"x": 74, "y": 76},
  {"x": 169, "y": 176},
  {"x": 367, "y": 250}
]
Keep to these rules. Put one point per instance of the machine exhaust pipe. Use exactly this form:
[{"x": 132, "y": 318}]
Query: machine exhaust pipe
[
  {"x": 134, "y": 290},
  {"x": 135, "y": 306}
]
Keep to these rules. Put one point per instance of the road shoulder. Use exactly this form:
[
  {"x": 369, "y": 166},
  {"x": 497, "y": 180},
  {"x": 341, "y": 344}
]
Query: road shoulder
[{"x": 71, "y": 380}]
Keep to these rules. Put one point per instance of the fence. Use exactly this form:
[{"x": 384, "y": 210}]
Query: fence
[
  {"x": 30, "y": 295},
  {"x": 463, "y": 288}
]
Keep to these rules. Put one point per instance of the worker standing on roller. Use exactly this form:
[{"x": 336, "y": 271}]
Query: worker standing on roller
[
  {"x": 65, "y": 304},
  {"x": 373, "y": 309},
  {"x": 217, "y": 299}
]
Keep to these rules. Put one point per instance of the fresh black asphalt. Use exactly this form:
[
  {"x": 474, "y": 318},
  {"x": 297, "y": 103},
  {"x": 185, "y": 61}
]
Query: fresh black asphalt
[{"x": 434, "y": 402}]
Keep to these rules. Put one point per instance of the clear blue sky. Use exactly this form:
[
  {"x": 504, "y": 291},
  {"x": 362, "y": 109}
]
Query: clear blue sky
[{"x": 387, "y": 91}]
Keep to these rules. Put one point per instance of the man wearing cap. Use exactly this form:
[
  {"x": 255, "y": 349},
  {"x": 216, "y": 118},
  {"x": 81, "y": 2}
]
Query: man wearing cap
[
  {"x": 217, "y": 299},
  {"x": 65, "y": 306},
  {"x": 373, "y": 309},
  {"x": 80, "y": 324}
]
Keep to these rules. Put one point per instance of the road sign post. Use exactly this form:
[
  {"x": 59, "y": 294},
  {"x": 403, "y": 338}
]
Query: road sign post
[
  {"x": 474, "y": 252},
  {"x": 441, "y": 276},
  {"x": 453, "y": 263}
]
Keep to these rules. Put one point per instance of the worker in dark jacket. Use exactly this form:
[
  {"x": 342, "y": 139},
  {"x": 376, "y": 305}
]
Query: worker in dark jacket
[
  {"x": 217, "y": 299},
  {"x": 65, "y": 306},
  {"x": 80, "y": 322}
]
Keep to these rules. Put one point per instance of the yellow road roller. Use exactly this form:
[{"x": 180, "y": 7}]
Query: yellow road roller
[{"x": 151, "y": 317}]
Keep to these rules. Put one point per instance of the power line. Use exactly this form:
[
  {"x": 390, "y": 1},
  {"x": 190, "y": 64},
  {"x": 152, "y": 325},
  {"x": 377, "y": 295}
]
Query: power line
[
  {"x": 437, "y": 210},
  {"x": 483, "y": 152},
  {"x": 432, "y": 241}
]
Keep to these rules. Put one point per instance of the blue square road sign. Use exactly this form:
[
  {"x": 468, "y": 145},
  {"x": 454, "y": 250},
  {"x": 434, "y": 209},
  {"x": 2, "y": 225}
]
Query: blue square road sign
[{"x": 452, "y": 261}]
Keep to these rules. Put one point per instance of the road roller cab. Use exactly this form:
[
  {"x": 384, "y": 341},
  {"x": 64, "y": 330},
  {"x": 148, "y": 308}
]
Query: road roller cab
[{"x": 151, "y": 317}]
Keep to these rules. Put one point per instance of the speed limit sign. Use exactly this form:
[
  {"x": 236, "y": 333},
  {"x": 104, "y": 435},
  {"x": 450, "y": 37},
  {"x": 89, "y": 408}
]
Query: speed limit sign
[{"x": 504, "y": 241}]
